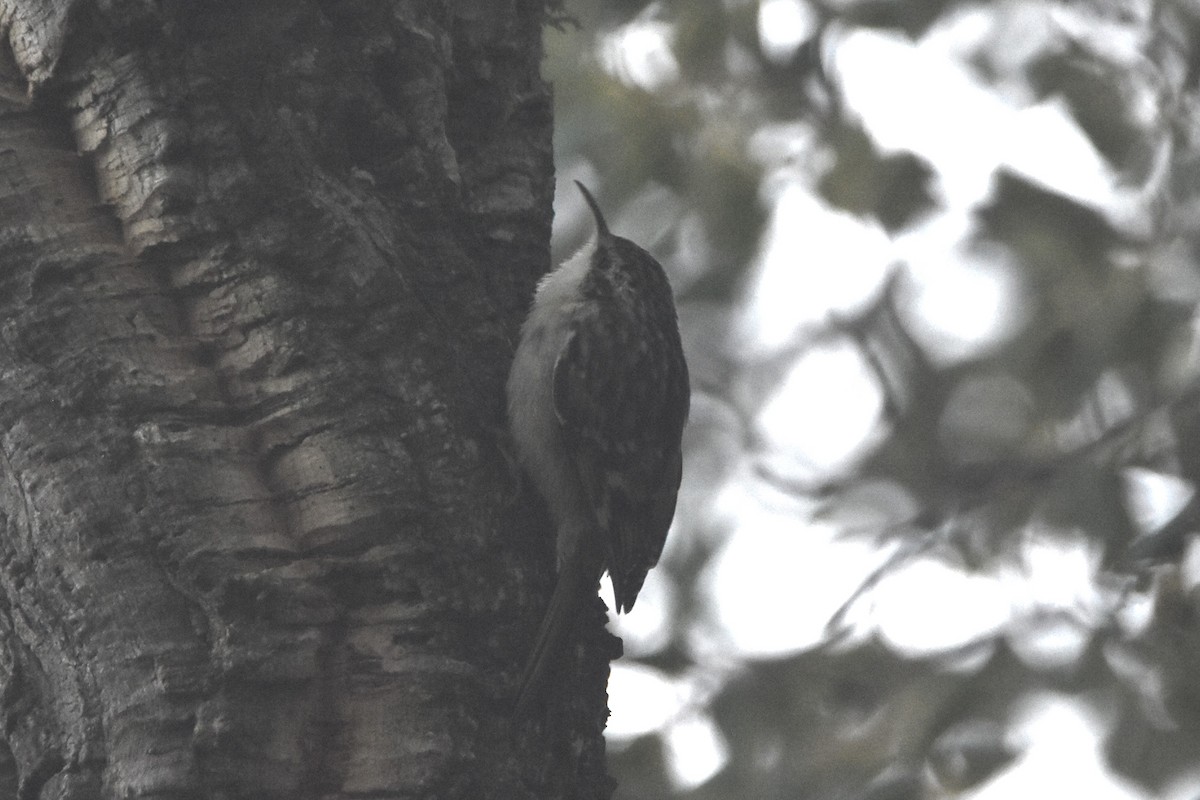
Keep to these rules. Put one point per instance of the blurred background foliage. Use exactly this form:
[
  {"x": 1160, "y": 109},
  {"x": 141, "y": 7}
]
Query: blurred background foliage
[{"x": 937, "y": 272}]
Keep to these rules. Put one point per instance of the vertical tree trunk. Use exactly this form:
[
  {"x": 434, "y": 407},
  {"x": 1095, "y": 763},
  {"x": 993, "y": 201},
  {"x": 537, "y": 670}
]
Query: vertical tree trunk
[{"x": 262, "y": 262}]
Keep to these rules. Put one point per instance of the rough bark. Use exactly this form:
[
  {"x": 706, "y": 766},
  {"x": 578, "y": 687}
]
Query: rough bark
[{"x": 260, "y": 268}]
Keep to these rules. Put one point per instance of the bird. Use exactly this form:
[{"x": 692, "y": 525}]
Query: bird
[{"x": 597, "y": 396}]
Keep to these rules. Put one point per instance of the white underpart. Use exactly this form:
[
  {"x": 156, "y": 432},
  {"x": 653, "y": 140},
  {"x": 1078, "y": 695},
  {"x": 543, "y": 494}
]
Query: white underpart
[{"x": 532, "y": 417}]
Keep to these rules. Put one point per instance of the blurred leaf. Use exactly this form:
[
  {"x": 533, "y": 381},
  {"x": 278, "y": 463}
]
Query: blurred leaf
[
  {"x": 1063, "y": 372},
  {"x": 894, "y": 784},
  {"x": 1090, "y": 498},
  {"x": 1099, "y": 97},
  {"x": 869, "y": 507},
  {"x": 1149, "y": 331},
  {"x": 913, "y": 17},
  {"x": 1050, "y": 232},
  {"x": 636, "y": 132},
  {"x": 823, "y": 724},
  {"x": 1159, "y": 731},
  {"x": 724, "y": 189},
  {"x": 1185, "y": 419},
  {"x": 1167, "y": 544},
  {"x": 894, "y": 189},
  {"x": 969, "y": 752},
  {"x": 642, "y": 768},
  {"x": 701, "y": 38},
  {"x": 986, "y": 419}
]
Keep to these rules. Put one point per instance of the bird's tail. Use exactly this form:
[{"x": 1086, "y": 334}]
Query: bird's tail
[{"x": 577, "y": 581}]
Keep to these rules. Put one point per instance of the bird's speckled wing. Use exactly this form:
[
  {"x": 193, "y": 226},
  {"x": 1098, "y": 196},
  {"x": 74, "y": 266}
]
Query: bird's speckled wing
[{"x": 621, "y": 395}]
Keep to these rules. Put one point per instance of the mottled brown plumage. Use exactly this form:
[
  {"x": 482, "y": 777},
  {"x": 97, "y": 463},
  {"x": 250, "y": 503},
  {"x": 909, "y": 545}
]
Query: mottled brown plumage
[{"x": 598, "y": 396}]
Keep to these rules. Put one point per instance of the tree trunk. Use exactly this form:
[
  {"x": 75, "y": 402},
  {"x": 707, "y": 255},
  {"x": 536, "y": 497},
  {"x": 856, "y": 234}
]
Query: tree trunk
[{"x": 263, "y": 263}]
